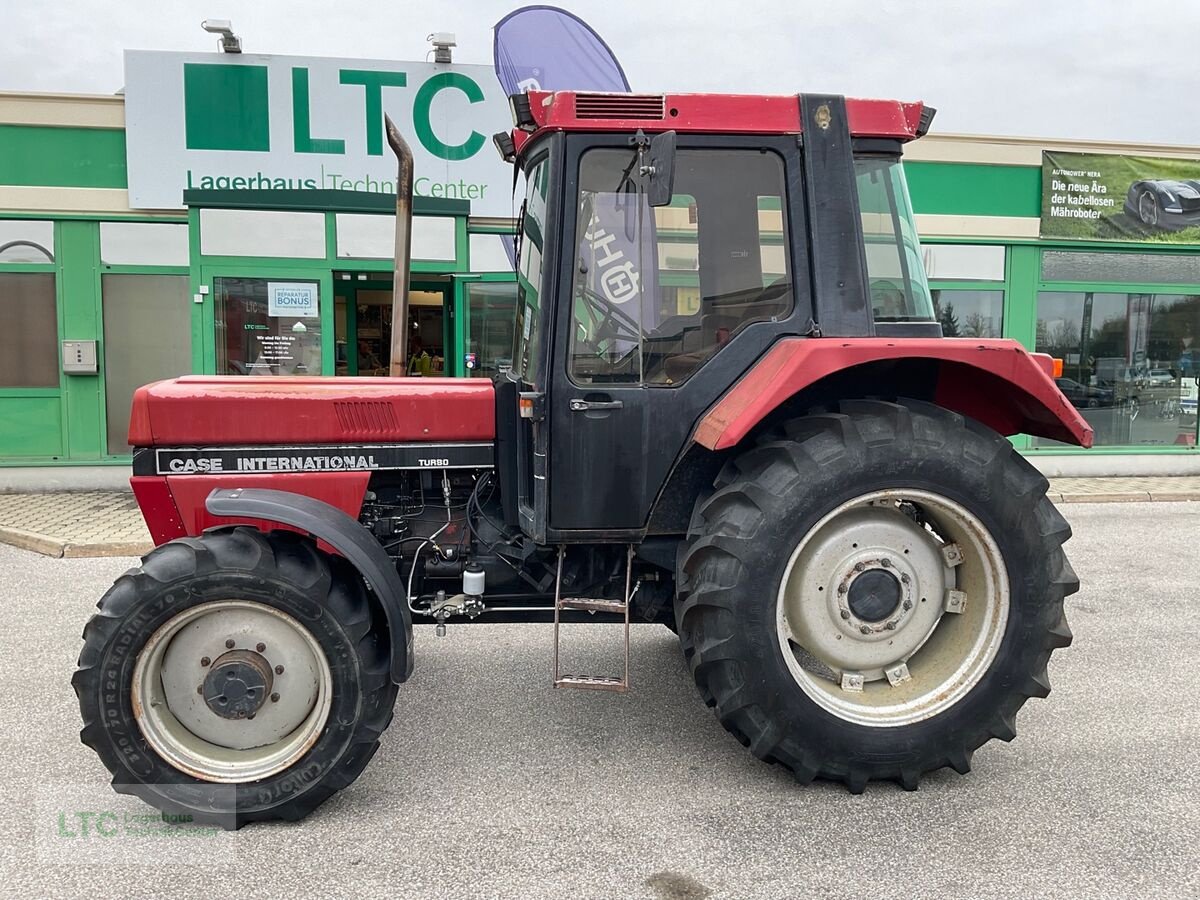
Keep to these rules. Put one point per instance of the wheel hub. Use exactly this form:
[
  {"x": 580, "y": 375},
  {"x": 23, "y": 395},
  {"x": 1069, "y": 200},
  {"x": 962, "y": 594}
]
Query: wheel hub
[
  {"x": 874, "y": 595},
  {"x": 215, "y": 708},
  {"x": 238, "y": 684},
  {"x": 886, "y": 617}
]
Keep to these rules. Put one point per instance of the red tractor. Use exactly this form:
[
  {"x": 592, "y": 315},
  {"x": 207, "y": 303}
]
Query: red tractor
[{"x": 730, "y": 410}]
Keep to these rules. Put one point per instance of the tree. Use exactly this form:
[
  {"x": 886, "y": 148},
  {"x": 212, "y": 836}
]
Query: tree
[{"x": 949, "y": 321}]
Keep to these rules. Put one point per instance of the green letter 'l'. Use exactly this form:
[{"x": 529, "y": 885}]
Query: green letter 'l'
[
  {"x": 424, "y": 127},
  {"x": 301, "y": 128},
  {"x": 374, "y": 82}
]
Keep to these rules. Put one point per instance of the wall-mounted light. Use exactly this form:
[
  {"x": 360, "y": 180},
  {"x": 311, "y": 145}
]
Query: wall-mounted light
[
  {"x": 230, "y": 42},
  {"x": 443, "y": 44}
]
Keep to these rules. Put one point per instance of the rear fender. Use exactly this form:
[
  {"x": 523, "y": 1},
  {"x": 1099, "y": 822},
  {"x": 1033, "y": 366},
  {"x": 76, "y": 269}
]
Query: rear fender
[
  {"x": 996, "y": 382},
  {"x": 347, "y": 537}
]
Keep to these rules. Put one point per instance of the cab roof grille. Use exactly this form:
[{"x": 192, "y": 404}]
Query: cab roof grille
[{"x": 619, "y": 106}]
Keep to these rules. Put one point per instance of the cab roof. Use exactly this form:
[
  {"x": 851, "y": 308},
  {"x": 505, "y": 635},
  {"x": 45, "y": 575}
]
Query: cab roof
[{"x": 543, "y": 111}]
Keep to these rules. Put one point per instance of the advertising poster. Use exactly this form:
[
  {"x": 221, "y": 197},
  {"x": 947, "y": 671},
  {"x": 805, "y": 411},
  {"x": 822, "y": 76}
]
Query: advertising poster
[{"x": 1108, "y": 197}]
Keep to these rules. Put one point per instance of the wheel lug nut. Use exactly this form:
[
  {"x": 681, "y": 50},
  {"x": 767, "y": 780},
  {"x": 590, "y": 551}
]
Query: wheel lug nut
[
  {"x": 275, "y": 697},
  {"x": 890, "y": 626},
  {"x": 886, "y": 563},
  {"x": 260, "y": 646},
  {"x": 908, "y": 604},
  {"x": 859, "y": 567},
  {"x": 845, "y": 614},
  {"x": 905, "y": 579},
  {"x": 205, "y": 661},
  {"x": 864, "y": 629},
  {"x": 229, "y": 644},
  {"x": 279, "y": 670},
  {"x": 842, "y": 588}
]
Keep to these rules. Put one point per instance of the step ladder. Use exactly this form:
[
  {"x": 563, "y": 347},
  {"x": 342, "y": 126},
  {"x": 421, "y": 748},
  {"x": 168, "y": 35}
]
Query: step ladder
[{"x": 592, "y": 682}]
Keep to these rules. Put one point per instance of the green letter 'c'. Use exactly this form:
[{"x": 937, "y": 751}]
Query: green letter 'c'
[{"x": 421, "y": 106}]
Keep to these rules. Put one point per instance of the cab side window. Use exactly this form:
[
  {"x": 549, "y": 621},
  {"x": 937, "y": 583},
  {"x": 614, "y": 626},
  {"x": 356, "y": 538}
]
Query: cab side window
[{"x": 657, "y": 292}]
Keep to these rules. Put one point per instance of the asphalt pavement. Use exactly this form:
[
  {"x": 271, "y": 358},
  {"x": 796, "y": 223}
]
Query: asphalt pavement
[{"x": 491, "y": 784}]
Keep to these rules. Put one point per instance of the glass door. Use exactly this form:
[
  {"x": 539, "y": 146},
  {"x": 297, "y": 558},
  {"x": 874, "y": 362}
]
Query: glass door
[{"x": 274, "y": 322}]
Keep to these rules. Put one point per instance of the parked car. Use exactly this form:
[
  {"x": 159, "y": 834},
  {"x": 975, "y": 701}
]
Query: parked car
[
  {"x": 1159, "y": 378},
  {"x": 1085, "y": 396}
]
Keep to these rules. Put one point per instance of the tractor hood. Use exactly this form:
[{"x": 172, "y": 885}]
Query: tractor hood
[{"x": 216, "y": 411}]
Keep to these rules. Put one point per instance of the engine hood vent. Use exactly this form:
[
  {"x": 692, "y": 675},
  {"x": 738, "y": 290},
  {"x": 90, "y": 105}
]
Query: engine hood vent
[{"x": 619, "y": 106}]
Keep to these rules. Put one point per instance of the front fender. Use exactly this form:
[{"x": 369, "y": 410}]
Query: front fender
[
  {"x": 996, "y": 382},
  {"x": 345, "y": 535}
]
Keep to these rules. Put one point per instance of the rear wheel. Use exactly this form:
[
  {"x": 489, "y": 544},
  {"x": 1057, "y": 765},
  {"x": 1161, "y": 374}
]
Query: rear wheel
[
  {"x": 235, "y": 677},
  {"x": 874, "y": 593}
]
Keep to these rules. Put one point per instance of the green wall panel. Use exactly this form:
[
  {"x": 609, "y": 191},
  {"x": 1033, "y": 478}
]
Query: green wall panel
[
  {"x": 62, "y": 157},
  {"x": 30, "y": 426},
  {"x": 969, "y": 189}
]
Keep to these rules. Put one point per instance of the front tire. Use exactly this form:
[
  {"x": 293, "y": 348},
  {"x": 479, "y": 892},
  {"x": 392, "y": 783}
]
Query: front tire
[
  {"x": 235, "y": 677},
  {"x": 874, "y": 593}
]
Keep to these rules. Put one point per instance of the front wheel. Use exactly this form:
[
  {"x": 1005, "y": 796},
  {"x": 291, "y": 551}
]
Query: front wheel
[
  {"x": 235, "y": 677},
  {"x": 874, "y": 593}
]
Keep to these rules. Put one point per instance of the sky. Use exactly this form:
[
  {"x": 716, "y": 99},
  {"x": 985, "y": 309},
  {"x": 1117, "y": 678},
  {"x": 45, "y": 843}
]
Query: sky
[{"x": 1093, "y": 69}]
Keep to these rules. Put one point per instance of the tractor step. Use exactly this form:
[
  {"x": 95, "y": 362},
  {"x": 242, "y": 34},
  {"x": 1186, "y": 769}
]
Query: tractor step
[
  {"x": 592, "y": 604},
  {"x": 592, "y": 683}
]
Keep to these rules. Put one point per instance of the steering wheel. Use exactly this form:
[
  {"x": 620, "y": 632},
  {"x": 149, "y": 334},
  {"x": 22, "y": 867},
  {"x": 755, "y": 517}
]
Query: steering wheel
[{"x": 607, "y": 322}]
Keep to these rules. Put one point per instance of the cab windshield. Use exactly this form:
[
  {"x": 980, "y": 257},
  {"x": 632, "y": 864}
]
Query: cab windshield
[{"x": 899, "y": 291}]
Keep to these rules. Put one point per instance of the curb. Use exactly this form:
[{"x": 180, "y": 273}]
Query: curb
[
  {"x": 1124, "y": 497},
  {"x": 57, "y": 548}
]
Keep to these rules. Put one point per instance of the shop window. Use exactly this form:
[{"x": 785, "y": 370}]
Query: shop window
[
  {"x": 491, "y": 308},
  {"x": 970, "y": 314},
  {"x": 26, "y": 241},
  {"x": 267, "y": 326},
  {"x": 365, "y": 236},
  {"x": 147, "y": 337},
  {"x": 1130, "y": 362},
  {"x": 246, "y": 232},
  {"x": 637, "y": 322},
  {"x": 491, "y": 252},
  {"x": 963, "y": 262},
  {"x": 1123, "y": 268},
  {"x": 29, "y": 338},
  {"x": 143, "y": 244}
]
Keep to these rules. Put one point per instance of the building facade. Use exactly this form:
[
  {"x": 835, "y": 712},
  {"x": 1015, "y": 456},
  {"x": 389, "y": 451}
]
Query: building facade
[{"x": 97, "y": 296}]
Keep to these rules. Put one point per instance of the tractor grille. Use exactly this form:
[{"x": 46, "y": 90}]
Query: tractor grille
[
  {"x": 365, "y": 417},
  {"x": 619, "y": 106}
]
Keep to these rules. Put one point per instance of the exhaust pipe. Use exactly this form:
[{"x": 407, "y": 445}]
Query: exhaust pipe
[{"x": 404, "y": 195}]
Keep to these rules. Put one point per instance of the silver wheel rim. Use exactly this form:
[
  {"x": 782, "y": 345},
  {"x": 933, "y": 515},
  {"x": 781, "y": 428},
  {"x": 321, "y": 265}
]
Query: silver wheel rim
[
  {"x": 177, "y": 686},
  {"x": 873, "y": 662}
]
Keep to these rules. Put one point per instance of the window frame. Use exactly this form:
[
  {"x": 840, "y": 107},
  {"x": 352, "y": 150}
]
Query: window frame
[{"x": 792, "y": 207}]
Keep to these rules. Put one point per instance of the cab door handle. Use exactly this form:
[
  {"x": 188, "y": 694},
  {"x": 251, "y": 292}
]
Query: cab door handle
[{"x": 588, "y": 405}]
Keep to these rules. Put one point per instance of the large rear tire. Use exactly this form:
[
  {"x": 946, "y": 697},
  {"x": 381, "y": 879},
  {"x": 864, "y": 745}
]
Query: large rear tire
[
  {"x": 235, "y": 677},
  {"x": 874, "y": 593}
]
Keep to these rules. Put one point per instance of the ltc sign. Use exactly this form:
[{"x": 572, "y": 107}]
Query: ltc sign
[{"x": 244, "y": 122}]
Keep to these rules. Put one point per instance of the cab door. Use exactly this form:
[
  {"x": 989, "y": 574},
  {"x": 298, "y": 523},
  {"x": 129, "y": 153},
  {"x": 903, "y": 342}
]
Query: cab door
[{"x": 660, "y": 311}]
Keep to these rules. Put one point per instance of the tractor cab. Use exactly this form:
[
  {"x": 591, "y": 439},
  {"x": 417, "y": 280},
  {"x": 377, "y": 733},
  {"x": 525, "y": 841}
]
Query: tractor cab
[{"x": 665, "y": 243}]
